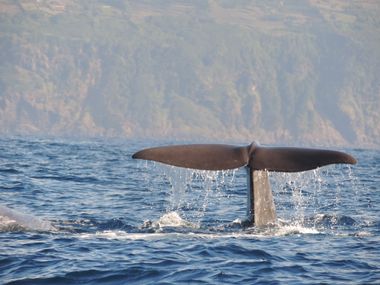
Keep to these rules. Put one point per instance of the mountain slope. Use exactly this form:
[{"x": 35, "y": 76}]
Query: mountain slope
[{"x": 294, "y": 71}]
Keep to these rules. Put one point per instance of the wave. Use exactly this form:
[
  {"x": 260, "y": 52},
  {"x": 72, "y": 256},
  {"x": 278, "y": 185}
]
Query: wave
[{"x": 171, "y": 225}]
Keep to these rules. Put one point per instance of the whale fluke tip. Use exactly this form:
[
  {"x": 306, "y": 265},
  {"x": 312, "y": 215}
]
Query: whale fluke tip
[{"x": 292, "y": 159}]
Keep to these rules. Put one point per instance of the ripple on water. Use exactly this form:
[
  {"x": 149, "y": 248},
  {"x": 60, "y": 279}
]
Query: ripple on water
[{"x": 120, "y": 221}]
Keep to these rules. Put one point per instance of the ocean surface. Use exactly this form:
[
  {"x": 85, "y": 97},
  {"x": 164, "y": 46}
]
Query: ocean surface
[{"x": 85, "y": 212}]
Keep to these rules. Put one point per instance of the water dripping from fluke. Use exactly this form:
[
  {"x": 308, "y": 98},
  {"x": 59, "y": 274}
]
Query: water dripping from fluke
[{"x": 258, "y": 160}]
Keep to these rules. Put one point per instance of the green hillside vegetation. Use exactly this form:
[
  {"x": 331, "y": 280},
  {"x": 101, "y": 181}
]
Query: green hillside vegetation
[{"x": 278, "y": 72}]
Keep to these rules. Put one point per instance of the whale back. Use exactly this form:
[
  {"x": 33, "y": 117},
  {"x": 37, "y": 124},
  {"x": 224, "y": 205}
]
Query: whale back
[{"x": 12, "y": 220}]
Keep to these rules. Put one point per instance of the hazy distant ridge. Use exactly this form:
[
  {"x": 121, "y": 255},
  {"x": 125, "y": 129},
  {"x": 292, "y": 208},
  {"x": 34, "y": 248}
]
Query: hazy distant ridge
[{"x": 291, "y": 71}]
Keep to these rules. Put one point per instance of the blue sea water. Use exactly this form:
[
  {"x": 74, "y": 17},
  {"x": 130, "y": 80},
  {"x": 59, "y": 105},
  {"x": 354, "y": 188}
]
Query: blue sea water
[{"x": 89, "y": 214}]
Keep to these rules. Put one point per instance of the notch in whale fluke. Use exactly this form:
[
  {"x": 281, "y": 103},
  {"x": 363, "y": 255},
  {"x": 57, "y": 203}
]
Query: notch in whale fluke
[{"x": 222, "y": 157}]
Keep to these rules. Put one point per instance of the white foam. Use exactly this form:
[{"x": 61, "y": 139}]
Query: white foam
[
  {"x": 122, "y": 235},
  {"x": 294, "y": 230},
  {"x": 251, "y": 233},
  {"x": 364, "y": 234},
  {"x": 173, "y": 219},
  {"x": 13, "y": 220}
]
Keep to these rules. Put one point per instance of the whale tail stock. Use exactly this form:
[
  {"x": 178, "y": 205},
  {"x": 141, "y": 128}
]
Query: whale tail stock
[{"x": 258, "y": 160}]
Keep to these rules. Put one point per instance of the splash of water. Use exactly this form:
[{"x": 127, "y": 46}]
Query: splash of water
[
  {"x": 312, "y": 198},
  {"x": 173, "y": 219},
  {"x": 301, "y": 198},
  {"x": 296, "y": 194},
  {"x": 192, "y": 191}
]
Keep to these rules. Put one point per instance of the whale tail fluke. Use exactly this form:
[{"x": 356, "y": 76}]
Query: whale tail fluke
[
  {"x": 258, "y": 160},
  {"x": 222, "y": 157}
]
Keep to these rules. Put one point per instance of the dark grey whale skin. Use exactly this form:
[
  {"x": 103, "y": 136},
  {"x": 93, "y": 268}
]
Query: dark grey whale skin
[{"x": 222, "y": 157}]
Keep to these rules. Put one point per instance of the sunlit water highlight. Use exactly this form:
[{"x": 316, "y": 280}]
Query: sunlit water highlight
[{"x": 86, "y": 213}]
